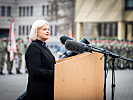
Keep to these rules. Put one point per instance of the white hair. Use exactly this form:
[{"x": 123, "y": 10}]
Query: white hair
[{"x": 36, "y": 25}]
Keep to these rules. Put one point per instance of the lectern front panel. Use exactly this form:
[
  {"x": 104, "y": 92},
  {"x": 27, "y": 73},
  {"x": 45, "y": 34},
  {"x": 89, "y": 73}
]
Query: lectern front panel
[{"x": 80, "y": 77}]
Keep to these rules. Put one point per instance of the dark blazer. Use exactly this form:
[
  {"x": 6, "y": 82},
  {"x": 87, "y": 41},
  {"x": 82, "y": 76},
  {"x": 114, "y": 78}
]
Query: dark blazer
[{"x": 40, "y": 72}]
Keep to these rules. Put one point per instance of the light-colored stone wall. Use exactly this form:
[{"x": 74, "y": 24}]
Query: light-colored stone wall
[{"x": 103, "y": 11}]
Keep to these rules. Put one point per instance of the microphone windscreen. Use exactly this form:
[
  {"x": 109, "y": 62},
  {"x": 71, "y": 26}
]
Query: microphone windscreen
[
  {"x": 84, "y": 40},
  {"x": 63, "y": 39},
  {"x": 74, "y": 46}
]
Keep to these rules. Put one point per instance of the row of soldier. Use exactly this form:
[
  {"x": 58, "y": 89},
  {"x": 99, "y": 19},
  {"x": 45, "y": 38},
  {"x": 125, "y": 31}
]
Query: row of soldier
[
  {"x": 119, "y": 47},
  {"x": 16, "y": 63}
]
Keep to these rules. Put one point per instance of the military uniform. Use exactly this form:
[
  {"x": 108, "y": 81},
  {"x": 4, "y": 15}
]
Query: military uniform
[
  {"x": 20, "y": 51},
  {"x": 130, "y": 54},
  {"x": 3, "y": 51},
  {"x": 27, "y": 43}
]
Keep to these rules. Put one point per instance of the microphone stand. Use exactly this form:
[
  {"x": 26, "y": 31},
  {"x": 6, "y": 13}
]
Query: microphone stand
[
  {"x": 105, "y": 68},
  {"x": 113, "y": 77},
  {"x": 113, "y": 55}
]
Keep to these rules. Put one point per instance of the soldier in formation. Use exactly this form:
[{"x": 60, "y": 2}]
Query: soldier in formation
[
  {"x": 3, "y": 51},
  {"x": 120, "y": 47},
  {"x": 5, "y": 56},
  {"x": 21, "y": 47}
]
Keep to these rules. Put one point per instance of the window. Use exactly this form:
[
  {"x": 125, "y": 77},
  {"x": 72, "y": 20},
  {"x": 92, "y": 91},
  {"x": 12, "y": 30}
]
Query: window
[
  {"x": 99, "y": 29},
  {"x": 8, "y": 11},
  {"x": 51, "y": 30},
  {"x": 55, "y": 30},
  {"x": 23, "y": 11},
  {"x": 31, "y": 11},
  {"x": 111, "y": 29},
  {"x": 43, "y": 10},
  {"x": 116, "y": 28},
  {"x": 107, "y": 29},
  {"x": 47, "y": 9},
  {"x": 2, "y": 11},
  {"x": 27, "y": 30},
  {"x": 128, "y": 4},
  {"x": 23, "y": 29},
  {"x": 27, "y": 11},
  {"x": 20, "y": 11},
  {"x": 19, "y": 30}
]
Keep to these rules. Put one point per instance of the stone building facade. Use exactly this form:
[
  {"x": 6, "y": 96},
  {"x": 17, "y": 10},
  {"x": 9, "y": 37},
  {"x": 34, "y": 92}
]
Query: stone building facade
[{"x": 59, "y": 13}]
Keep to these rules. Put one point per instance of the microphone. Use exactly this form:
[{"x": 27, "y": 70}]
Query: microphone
[
  {"x": 77, "y": 47},
  {"x": 80, "y": 47},
  {"x": 84, "y": 40},
  {"x": 64, "y": 38},
  {"x": 70, "y": 53}
]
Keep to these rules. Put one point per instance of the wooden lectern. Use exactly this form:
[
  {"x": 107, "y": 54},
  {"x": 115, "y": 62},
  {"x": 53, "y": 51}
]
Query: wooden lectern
[{"x": 79, "y": 77}]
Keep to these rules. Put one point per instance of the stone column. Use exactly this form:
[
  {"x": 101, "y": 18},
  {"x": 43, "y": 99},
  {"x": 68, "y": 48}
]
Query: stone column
[
  {"x": 129, "y": 31},
  {"x": 102, "y": 29},
  {"x": 94, "y": 30},
  {"x": 79, "y": 31},
  {"x": 121, "y": 30}
]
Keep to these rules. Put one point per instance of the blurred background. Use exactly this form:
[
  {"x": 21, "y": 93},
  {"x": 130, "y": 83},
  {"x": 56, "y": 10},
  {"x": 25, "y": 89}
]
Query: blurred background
[
  {"x": 110, "y": 19},
  {"x": 106, "y": 24},
  {"x": 92, "y": 19}
]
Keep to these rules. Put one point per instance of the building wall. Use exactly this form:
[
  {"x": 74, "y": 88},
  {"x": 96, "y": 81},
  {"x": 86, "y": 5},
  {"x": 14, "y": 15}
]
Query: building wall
[
  {"x": 128, "y": 15},
  {"x": 59, "y": 17},
  {"x": 107, "y": 13},
  {"x": 98, "y": 10}
]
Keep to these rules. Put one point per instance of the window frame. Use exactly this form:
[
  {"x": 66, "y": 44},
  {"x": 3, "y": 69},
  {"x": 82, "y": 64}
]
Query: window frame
[{"x": 127, "y": 7}]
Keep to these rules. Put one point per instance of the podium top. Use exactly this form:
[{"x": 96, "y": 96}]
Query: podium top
[{"x": 80, "y": 55}]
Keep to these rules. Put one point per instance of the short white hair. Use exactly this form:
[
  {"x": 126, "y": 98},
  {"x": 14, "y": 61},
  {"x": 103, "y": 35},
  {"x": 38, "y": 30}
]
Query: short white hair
[{"x": 36, "y": 25}]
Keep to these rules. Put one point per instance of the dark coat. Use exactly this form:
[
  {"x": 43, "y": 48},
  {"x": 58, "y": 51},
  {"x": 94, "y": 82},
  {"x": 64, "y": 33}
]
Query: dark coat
[{"x": 40, "y": 71}]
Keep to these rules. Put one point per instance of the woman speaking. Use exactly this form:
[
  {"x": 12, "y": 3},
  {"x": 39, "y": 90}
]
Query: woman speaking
[{"x": 40, "y": 63}]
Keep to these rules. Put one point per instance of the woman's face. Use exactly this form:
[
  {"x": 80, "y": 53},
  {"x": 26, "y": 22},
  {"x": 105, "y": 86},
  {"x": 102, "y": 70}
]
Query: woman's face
[{"x": 43, "y": 33}]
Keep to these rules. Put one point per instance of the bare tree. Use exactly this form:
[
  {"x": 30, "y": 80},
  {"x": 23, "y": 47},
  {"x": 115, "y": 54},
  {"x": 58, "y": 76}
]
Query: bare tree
[{"x": 62, "y": 12}]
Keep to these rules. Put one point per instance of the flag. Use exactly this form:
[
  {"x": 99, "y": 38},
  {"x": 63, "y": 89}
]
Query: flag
[{"x": 11, "y": 40}]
